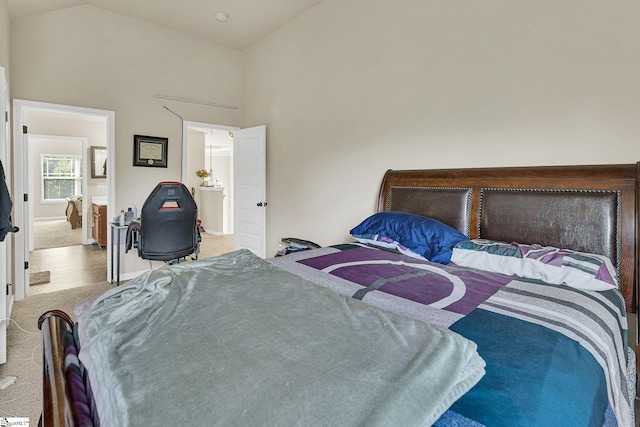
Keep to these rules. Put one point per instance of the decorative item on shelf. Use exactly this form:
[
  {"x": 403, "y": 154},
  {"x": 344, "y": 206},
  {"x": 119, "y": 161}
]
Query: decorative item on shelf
[{"x": 203, "y": 173}]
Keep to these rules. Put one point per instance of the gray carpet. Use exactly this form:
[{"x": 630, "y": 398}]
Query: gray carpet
[
  {"x": 55, "y": 234},
  {"x": 24, "y": 354}
]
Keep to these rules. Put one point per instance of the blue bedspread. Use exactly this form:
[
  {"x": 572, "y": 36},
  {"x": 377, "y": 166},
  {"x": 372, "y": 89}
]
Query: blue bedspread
[
  {"x": 544, "y": 379},
  {"x": 556, "y": 356}
]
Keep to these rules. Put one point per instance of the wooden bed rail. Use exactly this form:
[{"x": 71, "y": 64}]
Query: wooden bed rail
[{"x": 56, "y": 407}]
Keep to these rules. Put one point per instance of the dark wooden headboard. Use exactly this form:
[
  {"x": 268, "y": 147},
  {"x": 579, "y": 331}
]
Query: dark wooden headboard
[{"x": 585, "y": 208}]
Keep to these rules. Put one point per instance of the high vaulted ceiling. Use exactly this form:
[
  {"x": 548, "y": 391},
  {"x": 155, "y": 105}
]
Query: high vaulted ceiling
[{"x": 248, "y": 22}]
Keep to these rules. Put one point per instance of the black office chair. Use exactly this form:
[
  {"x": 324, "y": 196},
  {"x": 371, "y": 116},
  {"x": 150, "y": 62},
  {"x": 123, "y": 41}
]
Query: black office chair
[{"x": 168, "y": 229}]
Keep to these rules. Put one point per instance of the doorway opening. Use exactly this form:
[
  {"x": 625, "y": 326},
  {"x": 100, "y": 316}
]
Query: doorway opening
[
  {"x": 208, "y": 173},
  {"x": 59, "y": 128},
  {"x": 57, "y": 183},
  {"x": 59, "y": 180}
]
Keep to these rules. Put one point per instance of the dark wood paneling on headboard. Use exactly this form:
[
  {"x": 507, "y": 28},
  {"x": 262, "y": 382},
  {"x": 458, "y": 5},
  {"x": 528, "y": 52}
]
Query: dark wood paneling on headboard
[
  {"x": 585, "y": 208},
  {"x": 586, "y": 221},
  {"x": 449, "y": 205}
]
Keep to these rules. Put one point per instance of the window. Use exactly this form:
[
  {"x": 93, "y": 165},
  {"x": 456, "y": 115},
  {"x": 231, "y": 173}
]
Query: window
[{"x": 61, "y": 176}]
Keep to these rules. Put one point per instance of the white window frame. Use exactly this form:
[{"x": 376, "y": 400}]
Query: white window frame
[{"x": 77, "y": 179}]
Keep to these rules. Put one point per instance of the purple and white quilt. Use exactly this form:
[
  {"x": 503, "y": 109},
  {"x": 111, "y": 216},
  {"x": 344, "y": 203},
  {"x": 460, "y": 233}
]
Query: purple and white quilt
[{"x": 555, "y": 355}]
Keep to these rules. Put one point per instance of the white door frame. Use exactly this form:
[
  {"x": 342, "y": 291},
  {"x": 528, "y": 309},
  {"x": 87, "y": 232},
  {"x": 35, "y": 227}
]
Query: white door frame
[
  {"x": 6, "y": 297},
  {"x": 85, "y": 143},
  {"x": 20, "y": 160}
]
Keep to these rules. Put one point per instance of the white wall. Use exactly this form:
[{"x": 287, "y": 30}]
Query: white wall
[
  {"x": 221, "y": 165},
  {"x": 4, "y": 37},
  {"x": 89, "y": 57},
  {"x": 353, "y": 88},
  {"x": 195, "y": 161},
  {"x": 223, "y": 172}
]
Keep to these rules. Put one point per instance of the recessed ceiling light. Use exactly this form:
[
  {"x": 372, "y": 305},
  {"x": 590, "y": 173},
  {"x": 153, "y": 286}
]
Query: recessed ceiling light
[{"x": 222, "y": 16}]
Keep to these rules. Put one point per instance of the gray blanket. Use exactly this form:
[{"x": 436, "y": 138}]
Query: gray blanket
[{"x": 234, "y": 340}]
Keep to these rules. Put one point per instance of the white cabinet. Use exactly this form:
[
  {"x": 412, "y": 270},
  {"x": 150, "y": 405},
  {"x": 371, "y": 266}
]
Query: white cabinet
[{"x": 211, "y": 209}]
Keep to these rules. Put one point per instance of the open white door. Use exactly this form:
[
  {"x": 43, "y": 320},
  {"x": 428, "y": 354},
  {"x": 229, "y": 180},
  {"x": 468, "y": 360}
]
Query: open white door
[
  {"x": 21, "y": 204},
  {"x": 250, "y": 189},
  {"x": 6, "y": 298}
]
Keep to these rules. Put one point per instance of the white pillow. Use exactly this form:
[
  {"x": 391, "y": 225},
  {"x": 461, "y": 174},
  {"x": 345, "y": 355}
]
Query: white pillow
[{"x": 548, "y": 264}]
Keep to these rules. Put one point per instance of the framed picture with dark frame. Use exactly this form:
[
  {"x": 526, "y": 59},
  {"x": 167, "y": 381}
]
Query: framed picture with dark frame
[{"x": 150, "y": 151}]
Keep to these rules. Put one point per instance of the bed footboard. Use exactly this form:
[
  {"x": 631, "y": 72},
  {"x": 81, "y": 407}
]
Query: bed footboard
[{"x": 66, "y": 394}]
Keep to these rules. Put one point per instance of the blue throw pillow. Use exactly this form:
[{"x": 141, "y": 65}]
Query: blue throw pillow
[{"x": 425, "y": 236}]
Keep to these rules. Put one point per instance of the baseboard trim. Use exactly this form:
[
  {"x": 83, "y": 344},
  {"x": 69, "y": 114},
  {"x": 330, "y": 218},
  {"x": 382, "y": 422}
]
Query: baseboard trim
[{"x": 215, "y": 233}]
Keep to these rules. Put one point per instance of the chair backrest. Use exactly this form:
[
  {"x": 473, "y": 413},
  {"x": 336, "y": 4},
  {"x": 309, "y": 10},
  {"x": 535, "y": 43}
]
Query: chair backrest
[{"x": 168, "y": 223}]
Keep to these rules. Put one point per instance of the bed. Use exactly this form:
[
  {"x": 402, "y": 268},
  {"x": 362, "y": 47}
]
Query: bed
[{"x": 454, "y": 344}]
